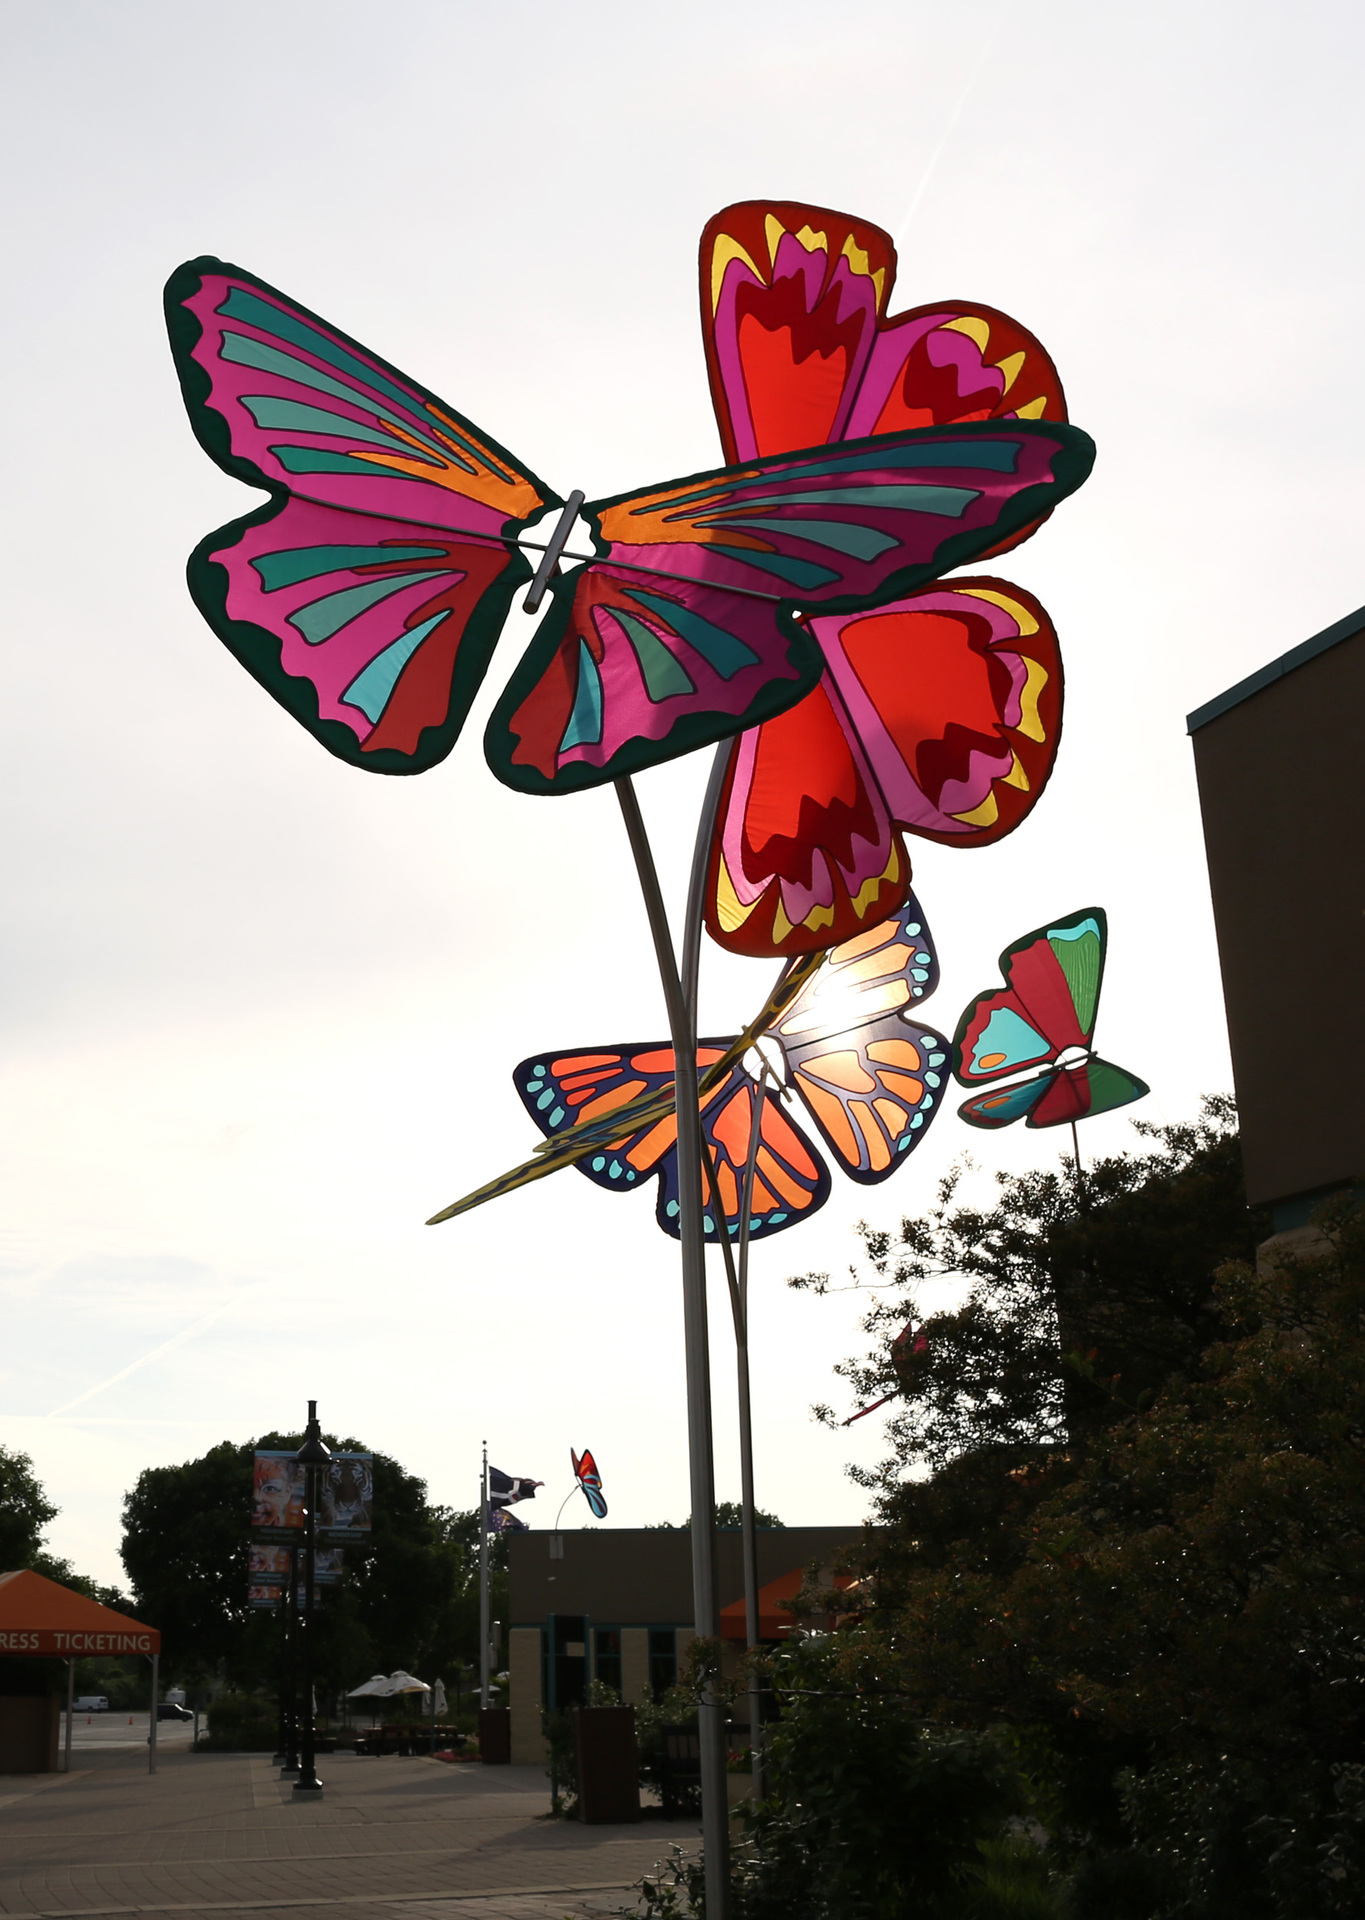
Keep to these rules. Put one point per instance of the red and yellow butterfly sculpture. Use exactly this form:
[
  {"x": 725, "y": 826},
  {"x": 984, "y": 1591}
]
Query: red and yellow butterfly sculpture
[
  {"x": 868, "y": 1076},
  {"x": 938, "y": 710}
]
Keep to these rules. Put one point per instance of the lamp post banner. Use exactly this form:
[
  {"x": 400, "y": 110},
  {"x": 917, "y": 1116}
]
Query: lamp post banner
[
  {"x": 277, "y": 1498},
  {"x": 346, "y": 1497},
  {"x": 268, "y": 1566}
]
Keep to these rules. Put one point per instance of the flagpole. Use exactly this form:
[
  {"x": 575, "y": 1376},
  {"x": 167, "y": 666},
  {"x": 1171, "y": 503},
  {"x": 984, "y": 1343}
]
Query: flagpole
[{"x": 483, "y": 1581}]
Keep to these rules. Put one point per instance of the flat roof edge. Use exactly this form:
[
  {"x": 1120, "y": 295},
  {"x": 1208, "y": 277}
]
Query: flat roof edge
[{"x": 1267, "y": 676}]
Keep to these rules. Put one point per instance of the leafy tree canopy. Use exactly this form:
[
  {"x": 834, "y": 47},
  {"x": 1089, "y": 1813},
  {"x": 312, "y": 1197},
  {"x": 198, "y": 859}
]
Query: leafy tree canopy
[
  {"x": 729, "y": 1514},
  {"x": 25, "y": 1511},
  {"x": 409, "y": 1596},
  {"x": 1138, "y": 1544}
]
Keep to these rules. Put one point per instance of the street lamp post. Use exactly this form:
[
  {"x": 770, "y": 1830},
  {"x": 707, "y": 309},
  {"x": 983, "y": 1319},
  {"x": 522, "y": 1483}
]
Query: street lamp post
[
  {"x": 310, "y": 1456},
  {"x": 288, "y": 1754}
]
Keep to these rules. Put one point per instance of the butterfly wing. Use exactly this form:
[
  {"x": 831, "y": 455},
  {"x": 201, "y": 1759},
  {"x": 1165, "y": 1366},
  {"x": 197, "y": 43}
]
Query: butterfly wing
[
  {"x": 956, "y": 696},
  {"x": 1049, "y": 1003},
  {"x": 692, "y": 626},
  {"x": 368, "y": 593},
  {"x": 1081, "y": 1092},
  {"x": 590, "y": 1480},
  {"x": 952, "y": 361},
  {"x": 939, "y": 714},
  {"x": 791, "y": 1181},
  {"x": 873, "y": 1093},
  {"x": 805, "y": 851},
  {"x": 870, "y": 1078},
  {"x": 563, "y": 1091},
  {"x": 791, "y": 297},
  {"x": 1000, "y": 1106},
  {"x": 584, "y": 1086}
]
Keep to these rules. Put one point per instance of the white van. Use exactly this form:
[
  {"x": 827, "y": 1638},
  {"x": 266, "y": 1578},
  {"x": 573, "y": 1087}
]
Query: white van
[{"x": 92, "y": 1703}]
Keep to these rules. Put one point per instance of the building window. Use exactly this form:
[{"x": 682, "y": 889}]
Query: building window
[
  {"x": 606, "y": 1657},
  {"x": 663, "y": 1660}
]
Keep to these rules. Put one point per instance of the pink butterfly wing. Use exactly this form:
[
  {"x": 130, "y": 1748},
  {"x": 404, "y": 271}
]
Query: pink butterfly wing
[
  {"x": 694, "y": 624},
  {"x": 368, "y": 596}
]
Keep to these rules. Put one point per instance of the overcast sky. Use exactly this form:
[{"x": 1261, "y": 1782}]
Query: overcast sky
[{"x": 259, "y": 1009}]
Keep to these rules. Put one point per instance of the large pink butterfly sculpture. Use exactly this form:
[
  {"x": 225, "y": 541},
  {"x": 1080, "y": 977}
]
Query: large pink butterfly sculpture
[{"x": 368, "y": 590}]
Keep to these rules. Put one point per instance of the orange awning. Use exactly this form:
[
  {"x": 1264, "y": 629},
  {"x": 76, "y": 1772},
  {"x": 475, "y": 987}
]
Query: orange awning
[
  {"x": 39, "y": 1616},
  {"x": 773, "y": 1621}
]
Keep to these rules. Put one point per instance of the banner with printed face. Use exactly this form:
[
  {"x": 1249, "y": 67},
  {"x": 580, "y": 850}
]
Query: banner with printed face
[
  {"x": 268, "y": 1566},
  {"x": 278, "y": 1498},
  {"x": 346, "y": 1497},
  {"x": 264, "y": 1596}
]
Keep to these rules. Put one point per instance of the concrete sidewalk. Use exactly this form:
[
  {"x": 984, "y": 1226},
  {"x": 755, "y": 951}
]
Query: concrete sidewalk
[{"x": 388, "y": 1839}]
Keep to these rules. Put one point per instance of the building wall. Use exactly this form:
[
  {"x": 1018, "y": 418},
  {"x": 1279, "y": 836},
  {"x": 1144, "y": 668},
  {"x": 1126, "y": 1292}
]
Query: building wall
[
  {"x": 642, "y": 1576},
  {"x": 1283, "y": 802},
  {"x": 634, "y": 1665},
  {"x": 635, "y": 1580},
  {"x": 523, "y": 1689}
]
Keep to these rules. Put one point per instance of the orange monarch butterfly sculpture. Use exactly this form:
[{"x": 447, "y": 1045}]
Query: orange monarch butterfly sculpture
[{"x": 868, "y": 1077}]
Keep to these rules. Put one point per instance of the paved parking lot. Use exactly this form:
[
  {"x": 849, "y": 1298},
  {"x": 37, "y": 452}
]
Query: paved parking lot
[
  {"x": 101, "y": 1731},
  {"x": 388, "y": 1839}
]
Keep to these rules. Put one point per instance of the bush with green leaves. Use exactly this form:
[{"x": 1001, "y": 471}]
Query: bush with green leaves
[{"x": 242, "y": 1723}]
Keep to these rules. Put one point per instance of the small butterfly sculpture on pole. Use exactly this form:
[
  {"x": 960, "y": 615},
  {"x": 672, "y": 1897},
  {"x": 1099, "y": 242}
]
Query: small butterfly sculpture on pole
[
  {"x": 588, "y": 1482},
  {"x": 1030, "y": 1040}
]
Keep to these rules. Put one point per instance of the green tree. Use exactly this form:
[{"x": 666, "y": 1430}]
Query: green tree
[
  {"x": 25, "y": 1511},
  {"x": 1139, "y": 1543},
  {"x": 408, "y": 1598},
  {"x": 1078, "y": 1302},
  {"x": 728, "y": 1513}
]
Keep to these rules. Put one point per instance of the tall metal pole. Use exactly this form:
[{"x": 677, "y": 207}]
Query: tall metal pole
[
  {"x": 312, "y": 1454},
  {"x": 715, "y": 1811},
  {"x": 70, "y": 1709},
  {"x": 748, "y": 1516},
  {"x": 289, "y": 1681},
  {"x": 155, "y": 1659},
  {"x": 484, "y": 1675}
]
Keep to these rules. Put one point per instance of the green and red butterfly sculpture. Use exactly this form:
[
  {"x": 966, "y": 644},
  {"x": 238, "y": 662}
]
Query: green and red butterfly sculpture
[{"x": 793, "y": 597}]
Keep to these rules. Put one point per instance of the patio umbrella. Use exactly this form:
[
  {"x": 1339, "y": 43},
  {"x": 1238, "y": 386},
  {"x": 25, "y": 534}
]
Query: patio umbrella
[
  {"x": 375, "y": 1684},
  {"x": 401, "y": 1682},
  {"x": 439, "y": 1703}
]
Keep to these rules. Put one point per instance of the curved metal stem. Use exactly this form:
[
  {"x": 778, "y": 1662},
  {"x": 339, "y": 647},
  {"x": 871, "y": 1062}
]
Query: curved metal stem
[
  {"x": 696, "y": 880},
  {"x": 706, "y": 1613}
]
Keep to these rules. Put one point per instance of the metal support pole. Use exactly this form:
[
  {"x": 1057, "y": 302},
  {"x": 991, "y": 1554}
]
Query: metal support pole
[
  {"x": 715, "y": 1810},
  {"x": 70, "y": 1709},
  {"x": 313, "y": 1454},
  {"x": 155, "y": 1659},
  {"x": 484, "y": 1675},
  {"x": 746, "y": 1445},
  {"x": 290, "y": 1680},
  {"x": 282, "y": 1682}
]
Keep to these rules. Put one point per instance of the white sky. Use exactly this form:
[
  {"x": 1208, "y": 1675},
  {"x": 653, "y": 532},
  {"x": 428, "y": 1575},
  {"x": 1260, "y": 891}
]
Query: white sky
[{"x": 260, "y": 1009}]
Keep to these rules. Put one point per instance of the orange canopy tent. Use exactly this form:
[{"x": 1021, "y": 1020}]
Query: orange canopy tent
[
  {"x": 773, "y": 1620},
  {"x": 40, "y": 1617}
]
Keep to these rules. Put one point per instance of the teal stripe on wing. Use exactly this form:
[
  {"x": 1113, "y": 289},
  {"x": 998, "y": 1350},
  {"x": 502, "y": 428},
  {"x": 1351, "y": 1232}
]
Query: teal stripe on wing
[
  {"x": 373, "y": 687},
  {"x": 322, "y": 618}
]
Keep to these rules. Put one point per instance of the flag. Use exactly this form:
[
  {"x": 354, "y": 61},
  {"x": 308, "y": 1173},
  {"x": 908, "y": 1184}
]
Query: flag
[
  {"x": 505, "y": 1489},
  {"x": 586, "y": 1474},
  {"x": 501, "y": 1521}
]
